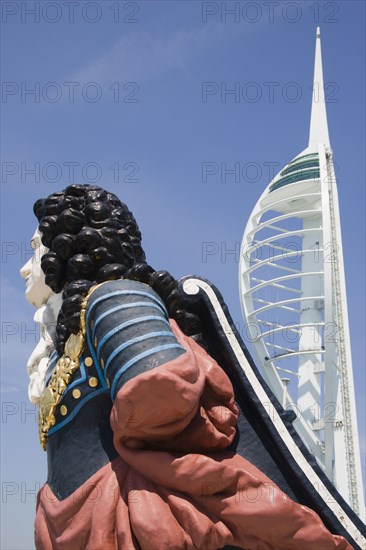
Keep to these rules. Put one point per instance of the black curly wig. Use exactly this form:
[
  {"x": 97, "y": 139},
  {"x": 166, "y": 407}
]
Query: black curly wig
[{"x": 93, "y": 237}]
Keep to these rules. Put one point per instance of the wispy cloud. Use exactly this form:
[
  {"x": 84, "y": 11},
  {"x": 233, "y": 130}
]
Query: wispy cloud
[{"x": 143, "y": 54}]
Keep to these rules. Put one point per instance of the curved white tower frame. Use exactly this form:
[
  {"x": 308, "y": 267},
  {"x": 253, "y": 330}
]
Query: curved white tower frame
[{"x": 293, "y": 295}]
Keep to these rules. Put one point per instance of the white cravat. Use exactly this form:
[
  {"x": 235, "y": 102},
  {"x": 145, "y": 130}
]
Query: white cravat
[{"x": 46, "y": 317}]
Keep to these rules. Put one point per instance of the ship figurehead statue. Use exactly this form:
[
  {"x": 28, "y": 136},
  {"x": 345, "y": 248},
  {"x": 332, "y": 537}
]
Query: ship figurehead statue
[{"x": 153, "y": 415}]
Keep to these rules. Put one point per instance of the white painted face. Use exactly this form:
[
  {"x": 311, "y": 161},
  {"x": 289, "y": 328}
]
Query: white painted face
[{"x": 36, "y": 292}]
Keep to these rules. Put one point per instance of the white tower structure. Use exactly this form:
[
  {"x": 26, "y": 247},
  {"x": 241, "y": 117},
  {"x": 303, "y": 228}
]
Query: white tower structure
[{"x": 293, "y": 295}]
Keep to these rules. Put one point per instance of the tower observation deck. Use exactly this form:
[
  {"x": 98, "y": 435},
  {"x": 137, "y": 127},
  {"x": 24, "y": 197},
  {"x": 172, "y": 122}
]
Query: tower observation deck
[{"x": 293, "y": 296}]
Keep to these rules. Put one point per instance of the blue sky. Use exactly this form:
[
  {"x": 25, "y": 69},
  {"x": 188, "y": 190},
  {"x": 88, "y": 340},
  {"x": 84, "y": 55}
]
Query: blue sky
[{"x": 122, "y": 102}]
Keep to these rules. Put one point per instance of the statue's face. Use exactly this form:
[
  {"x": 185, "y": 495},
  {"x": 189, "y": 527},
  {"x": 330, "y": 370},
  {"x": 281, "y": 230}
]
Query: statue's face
[{"x": 36, "y": 292}]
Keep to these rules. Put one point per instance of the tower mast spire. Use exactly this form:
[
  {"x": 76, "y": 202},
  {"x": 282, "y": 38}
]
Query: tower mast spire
[
  {"x": 306, "y": 296},
  {"x": 318, "y": 122}
]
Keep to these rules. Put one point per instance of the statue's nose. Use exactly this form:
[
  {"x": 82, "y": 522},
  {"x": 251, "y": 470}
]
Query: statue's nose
[{"x": 25, "y": 270}]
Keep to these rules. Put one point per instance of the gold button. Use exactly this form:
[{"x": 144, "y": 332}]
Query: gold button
[
  {"x": 76, "y": 393},
  {"x": 93, "y": 381},
  {"x": 63, "y": 410},
  {"x": 88, "y": 361},
  {"x": 102, "y": 363}
]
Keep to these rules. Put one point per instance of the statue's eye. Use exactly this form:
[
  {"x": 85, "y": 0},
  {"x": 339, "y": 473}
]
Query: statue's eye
[{"x": 35, "y": 244}]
